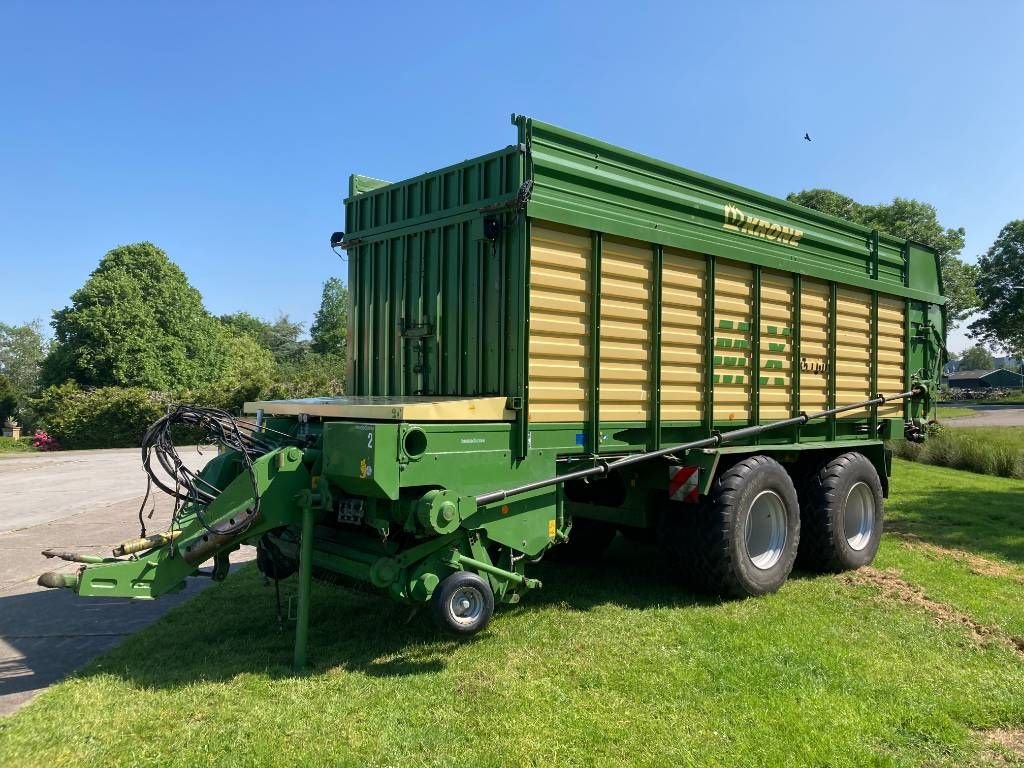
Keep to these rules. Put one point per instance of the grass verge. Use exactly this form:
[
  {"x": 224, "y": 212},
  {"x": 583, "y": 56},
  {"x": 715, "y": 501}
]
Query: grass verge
[
  {"x": 607, "y": 665},
  {"x": 953, "y": 412},
  {"x": 21, "y": 445},
  {"x": 987, "y": 450}
]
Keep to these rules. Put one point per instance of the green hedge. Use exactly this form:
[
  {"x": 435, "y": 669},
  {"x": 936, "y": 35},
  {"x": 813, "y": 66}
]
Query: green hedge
[{"x": 105, "y": 417}]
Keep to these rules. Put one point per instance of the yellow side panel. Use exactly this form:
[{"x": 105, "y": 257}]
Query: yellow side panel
[
  {"x": 559, "y": 292},
  {"x": 733, "y": 306},
  {"x": 776, "y": 345},
  {"x": 891, "y": 343},
  {"x": 813, "y": 345},
  {"x": 853, "y": 348},
  {"x": 625, "y": 370},
  {"x": 682, "y": 336}
]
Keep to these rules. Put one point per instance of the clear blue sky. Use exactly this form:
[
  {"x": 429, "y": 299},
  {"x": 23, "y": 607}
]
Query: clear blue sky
[{"x": 225, "y": 132}]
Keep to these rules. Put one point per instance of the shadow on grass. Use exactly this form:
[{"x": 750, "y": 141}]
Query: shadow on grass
[
  {"x": 232, "y": 629},
  {"x": 983, "y": 520}
]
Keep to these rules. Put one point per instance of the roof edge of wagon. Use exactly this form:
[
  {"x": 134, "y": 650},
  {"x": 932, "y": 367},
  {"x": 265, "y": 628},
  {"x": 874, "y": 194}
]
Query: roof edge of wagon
[
  {"x": 591, "y": 184},
  {"x": 713, "y": 181}
]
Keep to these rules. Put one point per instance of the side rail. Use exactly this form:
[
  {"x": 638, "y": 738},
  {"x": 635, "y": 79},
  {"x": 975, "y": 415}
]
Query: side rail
[{"x": 603, "y": 468}]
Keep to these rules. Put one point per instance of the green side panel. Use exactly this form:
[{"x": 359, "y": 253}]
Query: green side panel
[
  {"x": 587, "y": 183},
  {"x": 434, "y": 301},
  {"x": 362, "y": 459}
]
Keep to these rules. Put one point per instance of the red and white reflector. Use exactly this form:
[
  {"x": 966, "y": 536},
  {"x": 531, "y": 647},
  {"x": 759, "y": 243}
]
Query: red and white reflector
[{"x": 683, "y": 483}]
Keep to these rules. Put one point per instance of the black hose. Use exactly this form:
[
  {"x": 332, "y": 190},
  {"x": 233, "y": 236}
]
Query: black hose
[{"x": 191, "y": 491}]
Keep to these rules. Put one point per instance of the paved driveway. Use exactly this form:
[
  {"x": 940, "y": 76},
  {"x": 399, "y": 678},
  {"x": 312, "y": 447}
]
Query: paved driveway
[
  {"x": 85, "y": 501},
  {"x": 989, "y": 416}
]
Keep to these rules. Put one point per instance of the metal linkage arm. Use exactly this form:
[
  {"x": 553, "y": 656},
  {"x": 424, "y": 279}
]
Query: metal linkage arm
[{"x": 716, "y": 439}]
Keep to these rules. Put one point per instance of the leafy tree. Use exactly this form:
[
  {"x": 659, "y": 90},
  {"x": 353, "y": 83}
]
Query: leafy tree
[
  {"x": 22, "y": 349},
  {"x": 315, "y": 375},
  {"x": 977, "y": 358},
  {"x": 8, "y": 400},
  {"x": 912, "y": 220},
  {"x": 249, "y": 375},
  {"x": 280, "y": 337},
  {"x": 1001, "y": 290},
  {"x": 137, "y": 322},
  {"x": 330, "y": 324}
]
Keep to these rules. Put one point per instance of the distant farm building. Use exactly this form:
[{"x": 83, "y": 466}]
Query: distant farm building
[{"x": 999, "y": 378}]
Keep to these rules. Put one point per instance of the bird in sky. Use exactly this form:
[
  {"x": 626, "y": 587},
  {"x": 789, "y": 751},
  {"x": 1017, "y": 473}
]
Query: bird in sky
[{"x": 807, "y": 137}]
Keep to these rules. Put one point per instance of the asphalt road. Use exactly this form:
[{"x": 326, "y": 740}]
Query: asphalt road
[
  {"x": 86, "y": 501},
  {"x": 988, "y": 416}
]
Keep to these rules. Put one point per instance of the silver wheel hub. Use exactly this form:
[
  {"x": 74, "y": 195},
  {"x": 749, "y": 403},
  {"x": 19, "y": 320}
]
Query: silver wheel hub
[
  {"x": 466, "y": 605},
  {"x": 766, "y": 530},
  {"x": 859, "y": 516}
]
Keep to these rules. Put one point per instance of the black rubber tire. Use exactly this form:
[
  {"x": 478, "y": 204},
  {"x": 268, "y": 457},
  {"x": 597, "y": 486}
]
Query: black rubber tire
[
  {"x": 588, "y": 540},
  {"x": 442, "y": 607},
  {"x": 823, "y": 544},
  {"x": 719, "y": 559}
]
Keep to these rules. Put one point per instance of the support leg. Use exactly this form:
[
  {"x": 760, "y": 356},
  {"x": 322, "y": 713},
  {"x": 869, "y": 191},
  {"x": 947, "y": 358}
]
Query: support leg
[{"x": 305, "y": 586}]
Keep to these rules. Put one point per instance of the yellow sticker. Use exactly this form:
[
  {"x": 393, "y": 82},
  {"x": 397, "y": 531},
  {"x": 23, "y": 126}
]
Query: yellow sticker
[
  {"x": 316, "y": 482},
  {"x": 551, "y": 529}
]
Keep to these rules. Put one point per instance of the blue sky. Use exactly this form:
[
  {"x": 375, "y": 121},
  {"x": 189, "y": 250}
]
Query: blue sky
[{"x": 225, "y": 132}]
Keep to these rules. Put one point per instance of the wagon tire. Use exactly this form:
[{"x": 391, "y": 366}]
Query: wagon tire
[
  {"x": 463, "y": 604},
  {"x": 842, "y": 513},
  {"x": 748, "y": 530}
]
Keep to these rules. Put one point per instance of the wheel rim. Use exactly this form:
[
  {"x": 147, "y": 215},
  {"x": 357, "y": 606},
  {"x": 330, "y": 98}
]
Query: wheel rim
[
  {"x": 859, "y": 516},
  {"x": 766, "y": 530},
  {"x": 466, "y": 605}
]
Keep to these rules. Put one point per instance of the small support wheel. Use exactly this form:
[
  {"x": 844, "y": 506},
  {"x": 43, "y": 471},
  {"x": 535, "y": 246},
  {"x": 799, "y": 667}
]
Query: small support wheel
[{"x": 463, "y": 604}]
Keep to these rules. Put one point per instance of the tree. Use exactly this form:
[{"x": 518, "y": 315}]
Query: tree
[
  {"x": 1001, "y": 290},
  {"x": 8, "y": 400},
  {"x": 137, "y": 322},
  {"x": 280, "y": 337},
  {"x": 22, "y": 349},
  {"x": 911, "y": 220},
  {"x": 330, "y": 324},
  {"x": 977, "y": 358}
]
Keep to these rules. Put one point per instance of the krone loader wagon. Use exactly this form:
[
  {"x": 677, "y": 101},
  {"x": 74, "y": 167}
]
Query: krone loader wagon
[{"x": 550, "y": 344}]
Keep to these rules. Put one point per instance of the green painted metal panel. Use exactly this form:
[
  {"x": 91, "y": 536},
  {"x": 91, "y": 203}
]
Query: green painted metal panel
[
  {"x": 432, "y": 309},
  {"x": 438, "y": 308}
]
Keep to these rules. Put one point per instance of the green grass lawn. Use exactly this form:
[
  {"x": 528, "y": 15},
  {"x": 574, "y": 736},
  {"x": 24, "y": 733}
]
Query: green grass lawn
[
  {"x": 610, "y": 665},
  {"x": 21, "y": 445}
]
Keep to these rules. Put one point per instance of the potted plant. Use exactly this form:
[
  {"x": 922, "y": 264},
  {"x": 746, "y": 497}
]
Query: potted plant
[{"x": 12, "y": 428}]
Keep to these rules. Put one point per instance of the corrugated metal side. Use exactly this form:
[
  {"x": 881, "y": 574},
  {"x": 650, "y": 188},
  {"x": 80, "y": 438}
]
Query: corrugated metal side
[
  {"x": 733, "y": 332},
  {"x": 891, "y": 351},
  {"x": 626, "y": 281},
  {"x": 559, "y": 319},
  {"x": 853, "y": 348},
  {"x": 814, "y": 358},
  {"x": 776, "y": 375},
  {"x": 561, "y": 259},
  {"x": 436, "y": 307},
  {"x": 682, "y": 334}
]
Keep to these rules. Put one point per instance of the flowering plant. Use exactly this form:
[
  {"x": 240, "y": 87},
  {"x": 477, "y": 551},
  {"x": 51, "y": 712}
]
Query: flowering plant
[{"x": 44, "y": 442}]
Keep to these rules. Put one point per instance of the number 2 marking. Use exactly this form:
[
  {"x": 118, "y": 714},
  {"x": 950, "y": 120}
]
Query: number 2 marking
[{"x": 369, "y": 439}]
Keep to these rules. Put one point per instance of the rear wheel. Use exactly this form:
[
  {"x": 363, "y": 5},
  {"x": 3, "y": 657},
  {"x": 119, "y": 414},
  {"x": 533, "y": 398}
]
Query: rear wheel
[
  {"x": 745, "y": 536},
  {"x": 841, "y": 513},
  {"x": 463, "y": 603}
]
